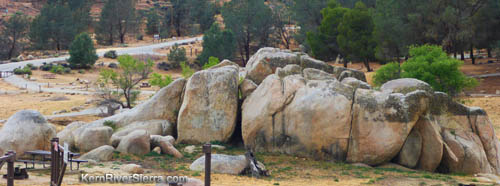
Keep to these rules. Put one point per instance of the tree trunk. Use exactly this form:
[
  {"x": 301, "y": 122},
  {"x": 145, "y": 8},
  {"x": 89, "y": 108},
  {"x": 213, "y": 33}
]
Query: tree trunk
[
  {"x": 462, "y": 55},
  {"x": 489, "y": 52},
  {"x": 13, "y": 47},
  {"x": 455, "y": 54},
  {"x": 122, "y": 38},
  {"x": 367, "y": 64},
  {"x": 345, "y": 63},
  {"x": 472, "y": 55}
]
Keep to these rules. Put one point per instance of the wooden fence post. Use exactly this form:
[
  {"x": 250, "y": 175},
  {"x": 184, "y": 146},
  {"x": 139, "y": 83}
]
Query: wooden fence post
[
  {"x": 10, "y": 168},
  {"x": 207, "y": 149}
]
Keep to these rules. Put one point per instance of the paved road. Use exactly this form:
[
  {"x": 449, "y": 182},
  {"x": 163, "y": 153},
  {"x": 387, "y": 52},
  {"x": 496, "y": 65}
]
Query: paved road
[
  {"x": 34, "y": 86},
  {"x": 486, "y": 75}
]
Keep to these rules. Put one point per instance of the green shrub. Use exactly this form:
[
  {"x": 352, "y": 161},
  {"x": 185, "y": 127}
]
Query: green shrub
[
  {"x": 81, "y": 71},
  {"x": 186, "y": 70},
  {"x": 22, "y": 71},
  {"x": 431, "y": 64},
  {"x": 110, "y": 124},
  {"x": 111, "y": 54},
  {"x": 46, "y": 67},
  {"x": 57, "y": 69},
  {"x": 159, "y": 80},
  {"x": 177, "y": 55},
  {"x": 212, "y": 61},
  {"x": 386, "y": 73}
]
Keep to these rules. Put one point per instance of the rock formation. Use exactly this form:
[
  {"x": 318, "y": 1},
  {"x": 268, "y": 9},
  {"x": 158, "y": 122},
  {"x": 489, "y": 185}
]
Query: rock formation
[{"x": 24, "y": 131}]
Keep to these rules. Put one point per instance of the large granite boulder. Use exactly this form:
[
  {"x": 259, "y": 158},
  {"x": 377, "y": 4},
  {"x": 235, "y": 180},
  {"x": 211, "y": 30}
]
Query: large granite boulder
[
  {"x": 164, "y": 105},
  {"x": 209, "y": 108},
  {"x": 381, "y": 123},
  {"x": 432, "y": 144},
  {"x": 222, "y": 164},
  {"x": 89, "y": 138},
  {"x": 24, "y": 131},
  {"x": 67, "y": 135},
  {"x": 274, "y": 116},
  {"x": 137, "y": 142}
]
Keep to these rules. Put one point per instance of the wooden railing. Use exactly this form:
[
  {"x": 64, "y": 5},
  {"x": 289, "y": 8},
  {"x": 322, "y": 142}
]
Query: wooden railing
[
  {"x": 59, "y": 162},
  {"x": 10, "y": 158}
]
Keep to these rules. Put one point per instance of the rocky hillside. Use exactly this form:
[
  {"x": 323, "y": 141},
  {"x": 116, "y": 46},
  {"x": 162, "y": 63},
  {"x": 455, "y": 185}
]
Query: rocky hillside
[{"x": 289, "y": 103}]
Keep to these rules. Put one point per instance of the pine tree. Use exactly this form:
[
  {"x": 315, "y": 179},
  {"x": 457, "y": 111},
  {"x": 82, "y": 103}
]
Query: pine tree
[{"x": 82, "y": 52}]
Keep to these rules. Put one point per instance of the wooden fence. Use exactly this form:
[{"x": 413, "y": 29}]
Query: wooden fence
[{"x": 10, "y": 158}]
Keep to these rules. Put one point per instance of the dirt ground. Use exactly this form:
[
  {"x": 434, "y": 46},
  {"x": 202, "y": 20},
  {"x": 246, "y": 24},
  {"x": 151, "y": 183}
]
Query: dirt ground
[{"x": 284, "y": 170}]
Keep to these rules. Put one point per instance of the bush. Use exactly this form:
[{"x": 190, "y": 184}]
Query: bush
[
  {"x": 177, "y": 55},
  {"x": 82, "y": 52},
  {"x": 59, "y": 69},
  {"x": 431, "y": 64},
  {"x": 46, "y": 67},
  {"x": 160, "y": 81},
  {"x": 111, "y": 54},
  {"x": 81, "y": 71},
  {"x": 31, "y": 66},
  {"x": 111, "y": 124},
  {"x": 22, "y": 71},
  {"x": 140, "y": 37},
  {"x": 186, "y": 70},
  {"x": 386, "y": 73},
  {"x": 212, "y": 61}
]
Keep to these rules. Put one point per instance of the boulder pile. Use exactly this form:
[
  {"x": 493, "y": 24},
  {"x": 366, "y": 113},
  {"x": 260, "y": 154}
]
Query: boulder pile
[{"x": 291, "y": 103}]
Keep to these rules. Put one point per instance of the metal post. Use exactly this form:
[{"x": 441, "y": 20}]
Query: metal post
[
  {"x": 10, "y": 168},
  {"x": 207, "y": 149}
]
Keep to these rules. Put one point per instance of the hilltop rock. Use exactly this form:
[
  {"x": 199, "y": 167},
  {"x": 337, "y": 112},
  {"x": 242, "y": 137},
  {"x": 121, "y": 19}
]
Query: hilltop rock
[
  {"x": 209, "y": 108},
  {"x": 266, "y": 61},
  {"x": 24, "y": 131}
]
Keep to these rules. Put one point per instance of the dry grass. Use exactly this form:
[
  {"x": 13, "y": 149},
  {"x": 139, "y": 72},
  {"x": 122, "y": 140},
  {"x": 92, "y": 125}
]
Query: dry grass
[{"x": 37, "y": 101}]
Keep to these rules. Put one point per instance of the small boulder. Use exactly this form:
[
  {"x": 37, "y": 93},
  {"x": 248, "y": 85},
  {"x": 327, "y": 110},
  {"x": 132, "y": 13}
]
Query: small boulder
[
  {"x": 137, "y": 142},
  {"x": 157, "y": 150},
  {"x": 154, "y": 127},
  {"x": 355, "y": 83},
  {"x": 190, "y": 149},
  {"x": 103, "y": 153},
  {"x": 288, "y": 70},
  {"x": 132, "y": 169},
  {"x": 315, "y": 74},
  {"x": 165, "y": 144},
  {"x": 410, "y": 153},
  {"x": 222, "y": 164},
  {"x": 247, "y": 87}
]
